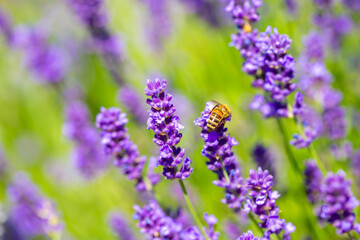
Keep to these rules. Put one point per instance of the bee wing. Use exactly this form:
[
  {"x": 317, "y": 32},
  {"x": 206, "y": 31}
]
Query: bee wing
[{"x": 216, "y": 102}]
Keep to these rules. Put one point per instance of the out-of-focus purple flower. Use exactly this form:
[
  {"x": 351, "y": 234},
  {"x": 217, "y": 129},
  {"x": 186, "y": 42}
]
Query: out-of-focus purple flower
[
  {"x": 121, "y": 227},
  {"x": 263, "y": 158},
  {"x": 324, "y": 3},
  {"x": 355, "y": 164},
  {"x": 88, "y": 156},
  {"x": 341, "y": 152},
  {"x": 333, "y": 27},
  {"x": 232, "y": 230},
  {"x": 46, "y": 61},
  {"x": 339, "y": 203},
  {"x": 248, "y": 236},
  {"x": 353, "y": 5},
  {"x": 94, "y": 17},
  {"x": 154, "y": 223},
  {"x": 207, "y": 10},
  {"x": 291, "y": 6},
  {"x": 262, "y": 203},
  {"x": 210, "y": 231},
  {"x": 160, "y": 25},
  {"x": 32, "y": 213},
  {"x": 134, "y": 103},
  {"x": 116, "y": 142},
  {"x": 6, "y": 27},
  {"x": 222, "y": 161},
  {"x": 313, "y": 179},
  {"x": 165, "y": 124}
]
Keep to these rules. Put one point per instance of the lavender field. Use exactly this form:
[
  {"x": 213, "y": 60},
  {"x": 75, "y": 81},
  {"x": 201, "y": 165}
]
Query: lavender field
[{"x": 179, "y": 119}]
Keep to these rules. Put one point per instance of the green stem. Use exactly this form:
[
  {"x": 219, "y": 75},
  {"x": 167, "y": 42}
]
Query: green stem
[
  {"x": 191, "y": 209},
  {"x": 256, "y": 223},
  {"x": 286, "y": 143},
  {"x": 317, "y": 159},
  {"x": 350, "y": 236}
]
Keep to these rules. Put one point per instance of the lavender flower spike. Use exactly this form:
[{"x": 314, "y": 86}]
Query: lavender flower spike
[
  {"x": 121, "y": 227},
  {"x": 313, "y": 179},
  {"x": 262, "y": 203},
  {"x": 339, "y": 203},
  {"x": 154, "y": 223},
  {"x": 115, "y": 140},
  {"x": 133, "y": 102},
  {"x": 33, "y": 214},
  {"x": 89, "y": 158},
  {"x": 248, "y": 236},
  {"x": 218, "y": 149},
  {"x": 166, "y": 127}
]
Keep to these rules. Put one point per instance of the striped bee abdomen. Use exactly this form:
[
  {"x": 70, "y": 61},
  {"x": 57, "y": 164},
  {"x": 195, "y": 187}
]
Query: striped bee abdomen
[{"x": 214, "y": 119}]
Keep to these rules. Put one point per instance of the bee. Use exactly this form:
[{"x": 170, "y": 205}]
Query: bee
[{"x": 218, "y": 115}]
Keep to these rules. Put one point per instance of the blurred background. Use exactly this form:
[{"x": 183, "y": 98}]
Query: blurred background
[{"x": 176, "y": 40}]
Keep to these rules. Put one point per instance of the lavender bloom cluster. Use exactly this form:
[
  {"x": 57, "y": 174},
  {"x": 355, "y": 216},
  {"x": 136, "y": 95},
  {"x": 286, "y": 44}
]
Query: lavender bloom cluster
[
  {"x": 165, "y": 124},
  {"x": 121, "y": 227},
  {"x": 132, "y": 100},
  {"x": 33, "y": 214},
  {"x": 154, "y": 223},
  {"x": 160, "y": 25},
  {"x": 262, "y": 202},
  {"x": 89, "y": 157},
  {"x": 116, "y": 142},
  {"x": 93, "y": 16},
  {"x": 315, "y": 82},
  {"x": 45, "y": 60},
  {"x": 264, "y": 159},
  {"x": 266, "y": 59},
  {"x": 206, "y": 10},
  {"x": 254, "y": 195},
  {"x": 222, "y": 161},
  {"x": 333, "y": 27},
  {"x": 334, "y": 197}
]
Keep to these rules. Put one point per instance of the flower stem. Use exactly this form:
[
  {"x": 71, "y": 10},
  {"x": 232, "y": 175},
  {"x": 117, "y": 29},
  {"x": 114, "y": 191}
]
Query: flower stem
[
  {"x": 256, "y": 223},
  {"x": 317, "y": 159},
  {"x": 192, "y": 210},
  {"x": 286, "y": 143},
  {"x": 350, "y": 236}
]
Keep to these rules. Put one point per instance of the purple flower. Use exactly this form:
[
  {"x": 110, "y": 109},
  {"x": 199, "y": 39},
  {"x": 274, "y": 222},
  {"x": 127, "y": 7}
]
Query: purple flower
[
  {"x": 339, "y": 203},
  {"x": 133, "y": 102},
  {"x": 248, "y": 236},
  {"x": 165, "y": 124},
  {"x": 244, "y": 12},
  {"x": 154, "y": 223},
  {"x": 159, "y": 25},
  {"x": 93, "y": 16},
  {"x": 88, "y": 155},
  {"x": 6, "y": 27},
  {"x": 32, "y": 213},
  {"x": 353, "y": 5},
  {"x": 313, "y": 179},
  {"x": 115, "y": 140},
  {"x": 355, "y": 164},
  {"x": 210, "y": 231},
  {"x": 333, "y": 27},
  {"x": 46, "y": 61},
  {"x": 263, "y": 158},
  {"x": 121, "y": 227},
  {"x": 208, "y": 11},
  {"x": 291, "y": 6},
  {"x": 222, "y": 161},
  {"x": 262, "y": 203}
]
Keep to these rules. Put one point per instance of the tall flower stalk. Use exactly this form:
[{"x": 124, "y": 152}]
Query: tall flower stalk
[
  {"x": 253, "y": 196},
  {"x": 166, "y": 126},
  {"x": 116, "y": 142}
]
